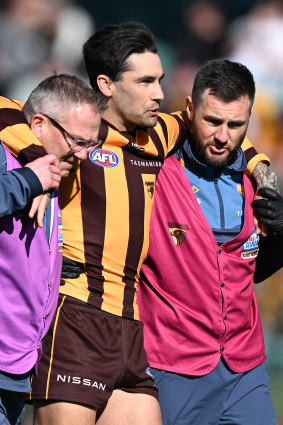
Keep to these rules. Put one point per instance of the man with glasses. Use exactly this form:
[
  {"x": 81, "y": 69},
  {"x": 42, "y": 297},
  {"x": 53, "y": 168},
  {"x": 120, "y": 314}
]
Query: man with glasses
[
  {"x": 64, "y": 114},
  {"x": 77, "y": 145}
]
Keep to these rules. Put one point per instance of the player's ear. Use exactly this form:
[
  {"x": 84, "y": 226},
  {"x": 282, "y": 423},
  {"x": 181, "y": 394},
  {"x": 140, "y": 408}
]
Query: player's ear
[
  {"x": 190, "y": 107},
  {"x": 36, "y": 124},
  {"x": 105, "y": 85}
]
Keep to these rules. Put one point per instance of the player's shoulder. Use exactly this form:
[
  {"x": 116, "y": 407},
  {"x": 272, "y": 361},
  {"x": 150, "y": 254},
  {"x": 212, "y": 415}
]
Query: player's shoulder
[{"x": 10, "y": 103}]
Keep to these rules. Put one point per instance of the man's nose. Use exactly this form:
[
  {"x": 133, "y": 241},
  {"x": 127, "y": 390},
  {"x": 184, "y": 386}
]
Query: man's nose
[
  {"x": 158, "y": 92},
  {"x": 222, "y": 134},
  {"x": 82, "y": 154}
]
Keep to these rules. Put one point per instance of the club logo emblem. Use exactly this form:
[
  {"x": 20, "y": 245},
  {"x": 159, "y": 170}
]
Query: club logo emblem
[
  {"x": 178, "y": 232},
  {"x": 150, "y": 188}
]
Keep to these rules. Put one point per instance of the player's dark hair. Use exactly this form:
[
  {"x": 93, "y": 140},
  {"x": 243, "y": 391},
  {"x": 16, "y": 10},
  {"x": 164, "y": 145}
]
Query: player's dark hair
[
  {"x": 226, "y": 80},
  {"x": 106, "y": 52}
]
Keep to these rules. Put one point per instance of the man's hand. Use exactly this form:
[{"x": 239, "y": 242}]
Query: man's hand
[
  {"x": 269, "y": 211},
  {"x": 47, "y": 170},
  {"x": 71, "y": 269}
]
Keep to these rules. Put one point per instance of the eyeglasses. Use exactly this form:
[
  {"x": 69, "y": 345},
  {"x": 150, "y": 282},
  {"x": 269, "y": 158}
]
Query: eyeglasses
[{"x": 78, "y": 144}]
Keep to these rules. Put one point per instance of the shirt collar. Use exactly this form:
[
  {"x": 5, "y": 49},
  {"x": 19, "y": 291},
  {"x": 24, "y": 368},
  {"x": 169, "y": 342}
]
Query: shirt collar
[{"x": 185, "y": 153}]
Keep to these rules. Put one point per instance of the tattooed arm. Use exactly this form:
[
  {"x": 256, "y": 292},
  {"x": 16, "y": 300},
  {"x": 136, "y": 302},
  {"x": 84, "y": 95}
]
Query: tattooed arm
[{"x": 265, "y": 177}]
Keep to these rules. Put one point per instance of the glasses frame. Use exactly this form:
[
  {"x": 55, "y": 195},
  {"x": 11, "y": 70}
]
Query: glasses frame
[{"x": 78, "y": 144}]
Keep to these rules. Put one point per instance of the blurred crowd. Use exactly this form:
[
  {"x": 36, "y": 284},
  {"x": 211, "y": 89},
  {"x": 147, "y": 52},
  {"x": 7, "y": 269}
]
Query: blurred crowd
[{"x": 39, "y": 36}]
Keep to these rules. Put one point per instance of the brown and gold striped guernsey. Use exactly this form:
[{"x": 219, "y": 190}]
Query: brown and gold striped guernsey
[
  {"x": 106, "y": 223},
  {"x": 15, "y": 132},
  {"x": 106, "y": 203}
]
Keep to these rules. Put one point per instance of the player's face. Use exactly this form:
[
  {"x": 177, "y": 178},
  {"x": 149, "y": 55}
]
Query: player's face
[
  {"x": 218, "y": 129},
  {"x": 82, "y": 122},
  {"x": 136, "y": 97}
]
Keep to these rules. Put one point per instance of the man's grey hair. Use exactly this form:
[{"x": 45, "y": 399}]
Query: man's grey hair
[{"x": 55, "y": 95}]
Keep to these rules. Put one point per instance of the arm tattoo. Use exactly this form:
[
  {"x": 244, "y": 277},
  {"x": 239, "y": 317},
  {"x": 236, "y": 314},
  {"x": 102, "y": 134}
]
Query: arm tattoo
[{"x": 265, "y": 177}]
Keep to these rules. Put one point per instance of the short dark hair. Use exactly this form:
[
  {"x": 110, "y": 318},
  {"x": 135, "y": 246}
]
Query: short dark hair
[
  {"x": 56, "y": 93},
  {"x": 106, "y": 52},
  {"x": 226, "y": 80}
]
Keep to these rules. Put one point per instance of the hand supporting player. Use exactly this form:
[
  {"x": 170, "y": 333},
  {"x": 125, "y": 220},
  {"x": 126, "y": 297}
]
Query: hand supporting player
[
  {"x": 47, "y": 170},
  {"x": 269, "y": 210}
]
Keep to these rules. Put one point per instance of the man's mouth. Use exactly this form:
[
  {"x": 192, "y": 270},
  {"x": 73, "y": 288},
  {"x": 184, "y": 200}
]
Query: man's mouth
[
  {"x": 153, "y": 112},
  {"x": 217, "y": 149}
]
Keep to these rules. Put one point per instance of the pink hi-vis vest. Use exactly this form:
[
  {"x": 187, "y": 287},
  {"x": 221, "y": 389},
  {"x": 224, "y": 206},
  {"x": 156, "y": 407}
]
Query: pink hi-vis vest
[
  {"x": 197, "y": 299},
  {"x": 30, "y": 276}
]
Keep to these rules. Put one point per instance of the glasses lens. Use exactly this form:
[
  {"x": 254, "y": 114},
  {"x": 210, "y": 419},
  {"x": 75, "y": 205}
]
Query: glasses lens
[
  {"x": 78, "y": 145},
  {"x": 94, "y": 143}
]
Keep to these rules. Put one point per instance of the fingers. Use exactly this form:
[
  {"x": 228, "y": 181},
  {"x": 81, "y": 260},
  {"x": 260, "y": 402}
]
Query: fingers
[
  {"x": 34, "y": 206},
  {"x": 257, "y": 227},
  {"x": 268, "y": 213},
  {"x": 264, "y": 204},
  {"x": 42, "y": 208},
  {"x": 56, "y": 178},
  {"x": 47, "y": 171},
  {"x": 39, "y": 205},
  {"x": 261, "y": 228},
  {"x": 270, "y": 194}
]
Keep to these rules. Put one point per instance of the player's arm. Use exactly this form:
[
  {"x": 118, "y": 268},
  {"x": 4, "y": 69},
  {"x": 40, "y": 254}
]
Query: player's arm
[
  {"x": 258, "y": 166},
  {"x": 269, "y": 212},
  {"x": 175, "y": 126},
  {"x": 16, "y": 186},
  {"x": 20, "y": 185},
  {"x": 16, "y": 134},
  {"x": 270, "y": 257}
]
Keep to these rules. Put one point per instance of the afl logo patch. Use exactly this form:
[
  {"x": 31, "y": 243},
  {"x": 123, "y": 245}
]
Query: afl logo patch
[{"x": 104, "y": 158}]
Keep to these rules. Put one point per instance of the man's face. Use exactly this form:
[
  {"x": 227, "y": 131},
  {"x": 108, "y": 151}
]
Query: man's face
[
  {"x": 218, "y": 129},
  {"x": 81, "y": 122},
  {"x": 136, "y": 97}
]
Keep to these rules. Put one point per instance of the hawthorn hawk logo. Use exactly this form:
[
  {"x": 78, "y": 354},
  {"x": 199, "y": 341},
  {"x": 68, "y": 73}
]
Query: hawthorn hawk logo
[
  {"x": 178, "y": 232},
  {"x": 150, "y": 188}
]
